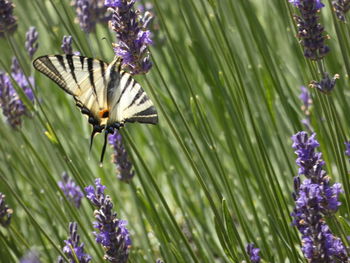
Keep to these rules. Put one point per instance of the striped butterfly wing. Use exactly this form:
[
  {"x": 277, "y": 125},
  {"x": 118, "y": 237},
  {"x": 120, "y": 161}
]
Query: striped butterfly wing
[
  {"x": 83, "y": 78},
  {"x": 127, "y": 101}
]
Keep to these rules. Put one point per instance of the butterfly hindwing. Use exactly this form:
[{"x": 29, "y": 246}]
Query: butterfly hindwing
[{"x": 128, "y": 102}]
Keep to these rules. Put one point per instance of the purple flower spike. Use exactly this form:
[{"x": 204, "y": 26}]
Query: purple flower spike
[
  {"x": 310, "y": 32},
  {"x": 31, "y": 41},
  {"x": 132, "y": 36},
  {"x": 315, "y": 198},
  {"x": 112, "y": 232},
  {"x": 73, "y": 249},
  {"x": 67, "y": 46},
  {"x": 341, "y": 7},
  {"x": 12, "y": 107},
  {"x": 22, "y": 79},
  {"x": 71, "y": 190},
  {"x": 120, "y": 157},
  {"x": 5, "y": 212},
  {"x": 89, "y": 13},
  {"x": 8, "y": 23},
  {"x": 253, "y": 253}
]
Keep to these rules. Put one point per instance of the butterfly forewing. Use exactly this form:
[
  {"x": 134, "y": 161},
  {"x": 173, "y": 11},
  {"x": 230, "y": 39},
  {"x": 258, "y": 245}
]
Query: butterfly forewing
[{"x": 82, "y": 77}]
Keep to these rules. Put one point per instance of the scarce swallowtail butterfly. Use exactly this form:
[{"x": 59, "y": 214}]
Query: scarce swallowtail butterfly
[{"x": 109, "y": 96}]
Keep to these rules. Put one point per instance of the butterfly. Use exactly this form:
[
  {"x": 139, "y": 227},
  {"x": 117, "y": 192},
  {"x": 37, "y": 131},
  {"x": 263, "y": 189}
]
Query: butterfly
[{"x": 109, "y": 96}]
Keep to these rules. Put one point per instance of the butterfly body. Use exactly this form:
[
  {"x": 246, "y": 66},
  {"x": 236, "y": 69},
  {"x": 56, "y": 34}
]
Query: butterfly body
[{"x": 109, "y": 96}]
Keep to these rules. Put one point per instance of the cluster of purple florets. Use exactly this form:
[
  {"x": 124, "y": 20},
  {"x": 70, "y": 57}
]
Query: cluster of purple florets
[
  {"x": 12, "y": 106},
  {"x": 315, "y": 198},
  {"x": 132, "y": 35},
  {"x": 112, "y": 232},
  {"x": 73, "y": 249},
  {"x": 120, "y": 157}
]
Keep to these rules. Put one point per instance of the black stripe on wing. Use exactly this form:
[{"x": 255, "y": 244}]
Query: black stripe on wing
[
  {"x": 148, "y": 115},
  {"x": 45, "y": 66}
]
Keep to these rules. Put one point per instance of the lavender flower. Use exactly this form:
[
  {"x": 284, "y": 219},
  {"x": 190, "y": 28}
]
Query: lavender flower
[
  {"x": 132, "y": 36},
  {"x": 159, "y": 260},
  {"x": 31, "y": 41},
  {"x": 67, "y": 46},
  {"x": 30, "y": 257},
  {"x": 347, "y": 151},
  {"x": 120, "y": 157},
  {"x": 22, "y": 80},
  {"x": 310, "y": 31},
  {"x": 5, "y": 212},
  {"x": 72, "y": 249},
  {"x": 8, "y": 23},
  {"x": 341, "y": 7},
  {"x": 326, "y": 84},
  {"x": 112, "y": 235},
  {"x": 71, "y": 190},
  {"x": 89, "y": 13},
  {"x": 253, "y": 253},
  {"x": 12, "y": 107},
  {"x": 315, "y": 198}
]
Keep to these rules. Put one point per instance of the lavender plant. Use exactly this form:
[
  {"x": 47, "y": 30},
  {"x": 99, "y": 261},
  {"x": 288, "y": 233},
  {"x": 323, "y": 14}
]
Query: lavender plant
[
  {"x": 71, "y": 190},
  {"x": 73, "y": 249},
  {"x": 120, "y": 157},
  {"x": 112, "y": 232},
  {"x": 315, "y": 198},
  {"x": 31, "y": 43},
  {"x": 312, "y": 38},
  {"x": 253, "y": 253},
  {"x": 89, "y": 13},
  {"x": 341, "y": 7},
  {"x": 12, "y": 106},
  {"x": 133, "y": 38}
]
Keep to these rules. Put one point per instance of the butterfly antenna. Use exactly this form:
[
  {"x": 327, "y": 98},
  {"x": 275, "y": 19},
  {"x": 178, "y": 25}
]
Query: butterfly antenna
[{"x": 104, "y": 148}]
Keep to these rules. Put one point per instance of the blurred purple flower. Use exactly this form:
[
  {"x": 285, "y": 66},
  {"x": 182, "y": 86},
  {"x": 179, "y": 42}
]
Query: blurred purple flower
[
  {"x": 133, "y": 37},
  {"x": 341, "y": 7},
  {"x": 5, "y": 212},
  {"x": 12, "y": 106},
  {"x": 72, "y": 249},
  {"x": 8, "y": 23},
  {"x": 120, "y": 157},
  {"x": 30, "y": 257},
  {"x": 89, "y": 13},
  {"x": 307, "y": 101},
  {"x": 314, "y": 199},
  {"x": 253, "y": 253},
  {"x": 347, "y": 150},
  {"x": 112, "y": 235},
  {"x": 71, "y": 190},
  {"x": 31, "y": 43},
  {"x": 22, "y": 79}
]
